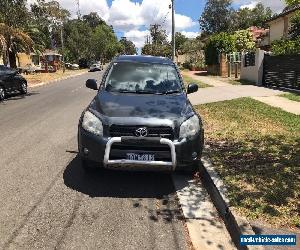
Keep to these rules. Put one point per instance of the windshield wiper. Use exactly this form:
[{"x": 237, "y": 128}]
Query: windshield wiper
[
  {"x": 169, "y": 92},
  {"x": 146, "y": 92},
  {"x": 126, "y": 91}
]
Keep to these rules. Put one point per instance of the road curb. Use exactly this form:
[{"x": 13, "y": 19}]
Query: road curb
[
  {"x": 215, "y": 187},
  {"x": 56, "y": 80}
]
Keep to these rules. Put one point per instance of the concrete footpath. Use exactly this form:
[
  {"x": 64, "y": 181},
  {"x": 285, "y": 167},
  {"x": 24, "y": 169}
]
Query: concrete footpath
[
  {"x": 281, "y": 102},
  {"x": 223, "y": 91}
]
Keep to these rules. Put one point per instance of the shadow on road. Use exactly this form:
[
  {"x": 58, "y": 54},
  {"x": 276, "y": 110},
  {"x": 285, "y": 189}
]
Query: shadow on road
[
  {"x": 118, "y": 184},
  {"x": 17, "y": 96}
]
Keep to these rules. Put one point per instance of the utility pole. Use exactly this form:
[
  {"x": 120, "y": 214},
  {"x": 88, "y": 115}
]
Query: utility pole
[
  {"x": 62, "y": 46},
  {"x": 173, "y": 31},
  {"x": 78, "y": 9}
]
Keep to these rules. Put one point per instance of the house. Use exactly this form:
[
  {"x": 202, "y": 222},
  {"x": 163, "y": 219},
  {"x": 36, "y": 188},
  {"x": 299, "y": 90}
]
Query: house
[{"x": 279, "y": 25}]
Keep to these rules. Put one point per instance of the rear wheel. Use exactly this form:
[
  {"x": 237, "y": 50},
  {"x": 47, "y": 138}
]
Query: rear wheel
[
  {"x": 2, "y": 93},
  {"x": 23, "y": 88}
]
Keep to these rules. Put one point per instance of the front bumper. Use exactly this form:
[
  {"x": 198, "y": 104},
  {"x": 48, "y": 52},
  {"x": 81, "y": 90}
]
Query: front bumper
[{"x": 182, "y": 154}]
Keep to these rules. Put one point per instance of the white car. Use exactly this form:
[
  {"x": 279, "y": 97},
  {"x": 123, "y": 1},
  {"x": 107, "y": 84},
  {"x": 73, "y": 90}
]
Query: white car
[{"x": 95, "y": 67}]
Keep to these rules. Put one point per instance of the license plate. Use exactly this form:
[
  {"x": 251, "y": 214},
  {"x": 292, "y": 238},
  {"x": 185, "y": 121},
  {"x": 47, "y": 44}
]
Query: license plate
[{"x": 140, "y": 157}]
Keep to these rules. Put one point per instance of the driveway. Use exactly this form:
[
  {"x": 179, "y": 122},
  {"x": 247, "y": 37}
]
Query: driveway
[{"x": 48, "y": 202}]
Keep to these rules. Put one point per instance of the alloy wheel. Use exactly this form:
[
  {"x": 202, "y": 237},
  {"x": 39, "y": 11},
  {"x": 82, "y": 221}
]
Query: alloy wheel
[
  {"x": 24, "y": 88},
  {"x": 2, "y": 94}
]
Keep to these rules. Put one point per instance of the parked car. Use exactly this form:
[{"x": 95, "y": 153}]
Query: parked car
[
  {"x": 28, "y": 69},
  {"x": 11, "y": 81},
  {"x": 95, "y": 67},
  {"x": 50, "y": 69},
  {"x": 141, "y": 119},
  {"x": 73, "y": 66}
]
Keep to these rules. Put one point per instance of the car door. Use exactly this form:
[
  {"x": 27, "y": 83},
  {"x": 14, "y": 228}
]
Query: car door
[
  {"x": 12, "y": 82},
  {"x": 6, "y": 78}
]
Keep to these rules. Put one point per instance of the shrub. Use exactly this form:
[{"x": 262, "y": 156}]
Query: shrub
[
  {"x": 218, "y": 43},
  {"x": 286, "y": 47}
]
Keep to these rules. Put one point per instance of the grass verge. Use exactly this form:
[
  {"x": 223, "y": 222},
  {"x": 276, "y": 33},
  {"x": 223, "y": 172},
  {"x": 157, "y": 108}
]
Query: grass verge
[
  {"x": 256, "y": 150},
  {"x": 292, "y": 97},
  {"x": 240, "y": 82},
  {"x": 187, "y": 80},
  {"x": 34, "y": 79}
]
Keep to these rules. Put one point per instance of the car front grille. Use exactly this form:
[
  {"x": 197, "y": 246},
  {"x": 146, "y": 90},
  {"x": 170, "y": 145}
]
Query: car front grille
[
  {"x": 162, "y": 132},
  {"x": 161, "y": 153}
]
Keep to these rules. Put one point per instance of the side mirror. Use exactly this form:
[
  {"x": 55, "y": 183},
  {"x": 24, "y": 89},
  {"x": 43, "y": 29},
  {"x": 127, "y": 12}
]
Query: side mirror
[
  {"x": 192, "y": 88},
  {"x": 91, "y": 84}
]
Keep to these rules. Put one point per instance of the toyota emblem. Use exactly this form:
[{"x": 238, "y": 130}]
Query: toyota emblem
[{"x": 141, "y": 132}]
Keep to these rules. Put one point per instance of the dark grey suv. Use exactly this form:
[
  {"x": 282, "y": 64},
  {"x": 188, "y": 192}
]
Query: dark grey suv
[
  {"x": 11, "y": 81},
  {"x": 141, "y": 119}
]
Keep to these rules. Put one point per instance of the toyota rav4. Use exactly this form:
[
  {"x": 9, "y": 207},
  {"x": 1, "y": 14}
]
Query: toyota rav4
[{"x": 141, "y": 119}]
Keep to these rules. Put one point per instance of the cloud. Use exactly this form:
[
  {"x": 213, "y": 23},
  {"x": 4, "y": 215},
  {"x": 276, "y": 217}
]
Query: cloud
[
  {"x": 131, "y": 17},
  {"x": 138, "y": 37},
  {"x": 275, "y": 5},
  {"x": 125, "y": 15},
  {"x": 190, "y": 34},
  {"x": 86, "y": 7}
]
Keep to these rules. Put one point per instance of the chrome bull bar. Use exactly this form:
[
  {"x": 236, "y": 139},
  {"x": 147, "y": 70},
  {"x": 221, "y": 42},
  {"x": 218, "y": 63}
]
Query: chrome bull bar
[{"x": 107, "y": 162}]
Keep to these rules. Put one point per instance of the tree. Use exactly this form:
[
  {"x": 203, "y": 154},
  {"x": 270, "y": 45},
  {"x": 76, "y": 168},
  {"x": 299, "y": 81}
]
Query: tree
[
  {"x": 216, "y": 16},
  {"x": 128, "y": 47},
  {"x": 93, "y": 20},
  {"x": 14, "y": 19},
  {"x": 105, "y": 44},
  {"x": 294, "y": 31},
  {"x": 78, "y": 41},
  {"x": 292, "y": 2},
  {"x": 180, "y": 39},
  {"x": 245, "y": 18},
  {"x": 160, "y": 45},
  {"x": 49, "y": 17},
  {"x": 193, "y": 47},
  {"x": 15, "y": 40},
  {"x": 218, "y": 43},
  {"x": 244, "y": 40},
  {"x": 286, "y": 47}
]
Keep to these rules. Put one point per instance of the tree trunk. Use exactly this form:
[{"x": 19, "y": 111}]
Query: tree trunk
[{"x": 12, "y": 59}]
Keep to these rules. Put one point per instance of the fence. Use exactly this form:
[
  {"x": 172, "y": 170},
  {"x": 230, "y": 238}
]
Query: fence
[{"x": 282, "y": 71}]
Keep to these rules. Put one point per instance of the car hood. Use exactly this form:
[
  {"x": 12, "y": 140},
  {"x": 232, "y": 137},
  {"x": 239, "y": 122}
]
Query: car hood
[{"x": 142, "y": 106}]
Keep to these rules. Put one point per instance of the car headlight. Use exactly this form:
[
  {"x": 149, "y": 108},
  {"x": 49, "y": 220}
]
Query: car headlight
[
  {"x": 92, "y": 124},
  {"x": 190, "y": 127}
]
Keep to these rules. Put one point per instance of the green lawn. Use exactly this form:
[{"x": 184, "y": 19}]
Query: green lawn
[
  {"x": 256, "y": 150},
  {"x": 292, "y": 97},
  {"x": 187, "y": 80}
]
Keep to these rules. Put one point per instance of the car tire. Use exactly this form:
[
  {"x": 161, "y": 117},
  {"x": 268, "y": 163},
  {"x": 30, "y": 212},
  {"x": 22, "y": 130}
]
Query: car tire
[
  {"x": 23, "y": 88},
  {"x": 2, "y": 93},
  {"x": 190, "y": 170}
]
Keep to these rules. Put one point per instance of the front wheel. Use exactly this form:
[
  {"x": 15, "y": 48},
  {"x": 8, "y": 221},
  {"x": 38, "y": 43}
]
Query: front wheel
[
  {"x": 2, "y": 93},
  {"x": 189, "y": 170},
  {"x": 23, "y": 88}
]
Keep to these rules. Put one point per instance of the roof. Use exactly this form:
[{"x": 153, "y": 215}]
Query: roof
[
  {"x": 144, "y": 59},
  {"x": 285, "y": 12}
]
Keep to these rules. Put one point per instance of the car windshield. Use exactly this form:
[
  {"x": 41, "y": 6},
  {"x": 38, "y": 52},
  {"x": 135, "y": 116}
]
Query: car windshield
[{"x": 143, "y": 78}]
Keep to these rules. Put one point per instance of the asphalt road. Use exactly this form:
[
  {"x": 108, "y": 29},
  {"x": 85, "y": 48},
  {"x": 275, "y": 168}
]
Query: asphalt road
[{"x": 46, "y": 200}]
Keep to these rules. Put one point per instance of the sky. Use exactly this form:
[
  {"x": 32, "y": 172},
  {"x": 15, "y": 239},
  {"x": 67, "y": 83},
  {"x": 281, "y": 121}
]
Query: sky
[{"x": 132, "y": 18}]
